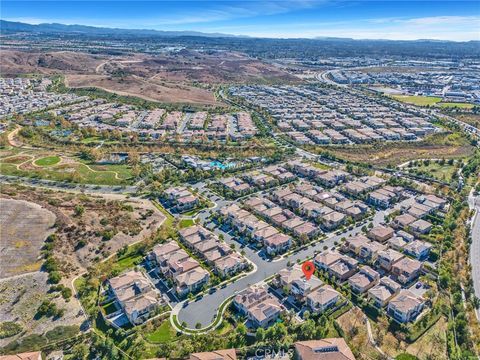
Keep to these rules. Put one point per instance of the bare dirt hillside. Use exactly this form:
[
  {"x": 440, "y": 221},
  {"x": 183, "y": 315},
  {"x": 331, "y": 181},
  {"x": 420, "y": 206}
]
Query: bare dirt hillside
[
  {"x": 24, "y": 227},
  {"x": 19, "y": 62},
  {"x": 186, "y": 76}
]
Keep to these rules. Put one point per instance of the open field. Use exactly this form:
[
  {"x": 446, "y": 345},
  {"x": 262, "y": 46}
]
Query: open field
[
  {"x": 418, "y": 100},
  {"x": 433, "y": 169},
  {"x": 89, "y": 228},
  {"x": 455, "y": 105},
  {"x": 186, "y": 76},
  {"x": 151, "y": 90},
  {"x": 20, "y": 297},
  {"x": 24, "y": 227},
  {"x": 431, "y": 101},
  {"x": 451, "y": 146},
  {"x": 15, "y": 63}
]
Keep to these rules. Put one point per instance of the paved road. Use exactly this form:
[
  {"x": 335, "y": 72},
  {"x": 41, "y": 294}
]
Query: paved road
[
  {"x": 65, "y": 186},
  {"x": 475, "y": 246},
  {"x": 204, "y": 310}
]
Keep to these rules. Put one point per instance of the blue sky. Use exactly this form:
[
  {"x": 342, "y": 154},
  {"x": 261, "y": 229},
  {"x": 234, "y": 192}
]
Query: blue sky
[{"x": 397, "y": 20}]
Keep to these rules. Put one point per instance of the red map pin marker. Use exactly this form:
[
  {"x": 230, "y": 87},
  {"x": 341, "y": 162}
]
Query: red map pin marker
[{"x": 308, "y": 269}]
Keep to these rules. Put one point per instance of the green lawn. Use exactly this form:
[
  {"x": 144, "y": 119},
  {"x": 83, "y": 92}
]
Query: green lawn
[
  {"x": 164, "y": 333},
  {"x": 418, "y": 100},
  {"x": 186, "y": 223},
  {"x": 127, "y": 262},
  {"x": 47, "y": 161},
  {"x": 453, "y": 104}
]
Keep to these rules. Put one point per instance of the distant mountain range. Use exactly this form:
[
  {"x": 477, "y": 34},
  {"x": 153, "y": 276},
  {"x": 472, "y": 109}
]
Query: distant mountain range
[{"x": 9, "y": 27}]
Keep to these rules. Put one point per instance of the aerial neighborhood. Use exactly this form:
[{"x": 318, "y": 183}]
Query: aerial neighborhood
[{"x": 239, "y": 180}]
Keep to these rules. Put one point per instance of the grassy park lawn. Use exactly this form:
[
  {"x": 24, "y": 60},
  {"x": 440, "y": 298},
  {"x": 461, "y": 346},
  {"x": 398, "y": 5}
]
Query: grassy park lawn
[
  {"x": 164, "y": 333},
  {"x": 46, "y": 168},
  {"x": 440, "y": 172},
  {"x": 418, "y": 100},
  {"x": 47, "y": 161}
]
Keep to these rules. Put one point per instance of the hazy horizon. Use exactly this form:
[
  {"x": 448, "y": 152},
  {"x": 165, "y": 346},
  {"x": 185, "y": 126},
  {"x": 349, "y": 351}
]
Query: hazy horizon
[{"x": 385, "y": 20}]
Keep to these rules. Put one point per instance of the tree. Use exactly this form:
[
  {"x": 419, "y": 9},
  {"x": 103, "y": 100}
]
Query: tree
[
  {"x": 80, "y": 352},
  {"x": 54, "y": 277},
  {"x": 260, "y": 334}
]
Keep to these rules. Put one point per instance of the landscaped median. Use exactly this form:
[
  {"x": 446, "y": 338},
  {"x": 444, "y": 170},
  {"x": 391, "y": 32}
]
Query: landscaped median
[{"x": 218, "y": 320}]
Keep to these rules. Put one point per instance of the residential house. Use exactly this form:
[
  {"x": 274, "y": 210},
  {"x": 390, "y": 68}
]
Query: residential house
[
  {"x": 227, "y": 354},
  {"x": 406, "y": 270},
  {"x": 323, "y": 298},
  {"x": 191, "y": 280},
  {"x": 405, "y": 306},
  {"x": 261, "y": 308},
  {"x": 135, "y": 294},
  {"x": 324, "y": 349},
  {"x": 369, "y": 251},
  {"x": 277, "y": 243},
  {"x": 420, "y": 226},
  {"x": 397, "y": 243},
  {"x": 354, "y": 244},
  {"x": 388, "y": 257},
  {"x": 381, "y": 233},
  {"x": 364, "y": 279},
  {"x": 325, "y": 259},
  {"x": 33, "y": 355},
  {"x": 343, "y": 268},
  {"x": 403, "y": 221},
  {"x": 332, "y": 220},
  {"x": 230, "y": 264},
  {"x": 418, "y": 249},
  {"x": 293, "y": 279},
  {"x": 382, "y": 293}
]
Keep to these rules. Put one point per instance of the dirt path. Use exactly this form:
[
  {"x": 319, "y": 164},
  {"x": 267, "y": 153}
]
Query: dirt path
[
  {"x": 22, "y": 153},
  {"x": 11, "y": 138}
]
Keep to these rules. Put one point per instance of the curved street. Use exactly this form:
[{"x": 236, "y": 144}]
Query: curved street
[{"x": 204, "y": 310}]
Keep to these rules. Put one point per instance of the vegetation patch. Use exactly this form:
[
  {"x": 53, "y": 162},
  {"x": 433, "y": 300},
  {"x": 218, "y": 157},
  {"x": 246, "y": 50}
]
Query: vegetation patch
[
  {"x": 9, "y": 329},
  {"x": 418, "y": 100},
  {"x": 47, "y": 161},
  {"x": 186, "y": 223},
  {"x": 163, "y": 334}
]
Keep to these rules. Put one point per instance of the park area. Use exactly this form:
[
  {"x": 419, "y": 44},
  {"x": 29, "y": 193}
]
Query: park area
[
  {"x": 431, "y": 101},
  {"x": 44, "y": 165}
]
